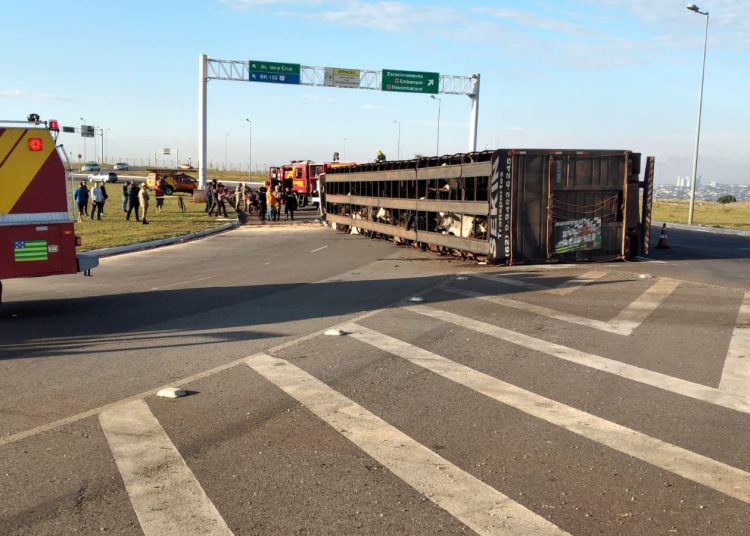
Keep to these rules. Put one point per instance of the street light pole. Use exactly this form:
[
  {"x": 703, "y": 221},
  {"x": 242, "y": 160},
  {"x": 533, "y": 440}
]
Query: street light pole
[
  {"x": 691, "y": 209},
  {"x": 398, "y": 143},
  {"x": 437, "y": 147},
  {"x": 250, "y": 154},
  {"x": 226, "y": 136},
  {"x": 83, "y": 123}
]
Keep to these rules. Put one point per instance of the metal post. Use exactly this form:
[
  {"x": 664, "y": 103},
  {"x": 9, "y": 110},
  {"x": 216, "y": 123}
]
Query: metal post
[
  {"x": 83, "y": 123},
  {"x": 250, "y": 154},
  {"x": 474, "y": 120},
  {"x": 101, "y": 133},
  {"x": 226, "y": 137},
  {"x": 202, "y": 101},
  {"x": 691, "y": 207},
  {"x": 437, "y": 146},
  {"x": 398, "y": 142}
]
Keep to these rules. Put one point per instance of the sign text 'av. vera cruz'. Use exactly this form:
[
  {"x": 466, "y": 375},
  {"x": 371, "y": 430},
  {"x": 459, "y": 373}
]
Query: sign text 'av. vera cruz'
[
  {"x": 274, "y": 72},
  {"x": 410, "y": 81}
]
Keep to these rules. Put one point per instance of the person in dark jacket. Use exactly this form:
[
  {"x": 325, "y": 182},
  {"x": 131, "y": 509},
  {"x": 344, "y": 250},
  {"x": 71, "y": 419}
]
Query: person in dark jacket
[
  {"x": 125, "y": 196},
  {"x": 262, "y": 206},
  {"x": 133, "y": 203},
  {"x": 81, "y": 197},
  {"x": 290, "y": 204}
]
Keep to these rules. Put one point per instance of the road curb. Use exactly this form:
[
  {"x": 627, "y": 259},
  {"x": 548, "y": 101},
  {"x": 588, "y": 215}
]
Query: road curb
[
  {"x": 117, "y": 250},
  {"x": 702, "y": 229}
]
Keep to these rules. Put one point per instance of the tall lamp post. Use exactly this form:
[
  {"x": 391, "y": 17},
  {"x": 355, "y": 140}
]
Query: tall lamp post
[
  {"x": 437, "y": 146},
  {"x": 83, "y": 122},
  {"x": 398, "y": 143},
  {"x": 696, "y": 9},
  {"x": 226, "y": 136},
  {"x": 250, "y": 154}
]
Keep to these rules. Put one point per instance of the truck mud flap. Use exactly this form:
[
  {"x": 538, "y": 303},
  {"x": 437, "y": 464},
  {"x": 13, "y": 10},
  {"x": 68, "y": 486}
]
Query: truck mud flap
[{"x": 86, "y": 263}]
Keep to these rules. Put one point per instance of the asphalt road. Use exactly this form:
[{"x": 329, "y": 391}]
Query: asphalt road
[{"x": 582, "y": 399}]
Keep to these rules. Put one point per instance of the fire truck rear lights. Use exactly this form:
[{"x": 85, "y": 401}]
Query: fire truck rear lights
[
  {"x": 35, "y": 144},
  {"x": 54, "y": 125}
]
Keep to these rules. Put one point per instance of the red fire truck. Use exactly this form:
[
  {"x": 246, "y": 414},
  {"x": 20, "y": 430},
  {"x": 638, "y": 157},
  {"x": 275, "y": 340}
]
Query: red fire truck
[
  {"x": 302, "y": 177},
  {"x": 36, "y": 221}
]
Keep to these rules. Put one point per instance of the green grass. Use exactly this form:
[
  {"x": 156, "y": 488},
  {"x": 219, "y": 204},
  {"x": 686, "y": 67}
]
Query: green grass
[
  {"x": 729, "y": 215},
  {"x": 114, "y": 230}
]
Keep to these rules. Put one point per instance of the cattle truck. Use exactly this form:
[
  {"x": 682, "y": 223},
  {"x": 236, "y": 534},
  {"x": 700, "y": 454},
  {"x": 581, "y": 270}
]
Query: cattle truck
[{"x": 37, "y": 236}]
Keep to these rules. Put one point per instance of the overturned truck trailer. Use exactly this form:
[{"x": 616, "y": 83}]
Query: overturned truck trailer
[{"x": 507, "y": 206}]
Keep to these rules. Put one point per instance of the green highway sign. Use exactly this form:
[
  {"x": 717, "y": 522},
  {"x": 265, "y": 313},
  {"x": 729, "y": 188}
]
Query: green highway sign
[
  {"x": 273, "y": 72},
  {"x": 274, "y": 67},
  {"x": 410, "y": 81}
]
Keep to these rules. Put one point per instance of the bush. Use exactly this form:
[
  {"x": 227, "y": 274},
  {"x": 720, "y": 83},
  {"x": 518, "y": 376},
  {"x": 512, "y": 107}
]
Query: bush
[{"x": 726, "y": 199}]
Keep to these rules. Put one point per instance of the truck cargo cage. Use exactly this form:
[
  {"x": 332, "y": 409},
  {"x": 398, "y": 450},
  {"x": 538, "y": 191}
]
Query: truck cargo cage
[{"x": 506, "y": 206}]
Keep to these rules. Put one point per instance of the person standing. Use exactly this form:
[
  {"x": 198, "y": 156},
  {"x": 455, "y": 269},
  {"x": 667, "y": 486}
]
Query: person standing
[
  {"x": 210, "y": 192},
  {"x": 279, "y": 195},
  {"x": 290, "y": 204},
  {"x": 81, "y": 197},
  {"x": 262, "y": 203},
  {"x": 133, "y": 203},
  {"x": 239, "y": 198},
  {"x": 271, "y": 203},
  {"x": 159, "y": 195},
  {"x": 97, "y": 201},
  {"x": 125, "y": 196},
  {"x": 104, "y": 195},
  {"x": 143, "y": 198}
]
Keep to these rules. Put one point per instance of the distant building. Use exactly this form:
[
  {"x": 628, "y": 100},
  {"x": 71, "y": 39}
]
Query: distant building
[{"x": 684, "y": 182}]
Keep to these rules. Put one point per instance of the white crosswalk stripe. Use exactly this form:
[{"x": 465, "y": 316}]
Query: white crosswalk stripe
[
  {"x": 735, "y": 377},
  {"x": 165, "y": 494},
  {"x": 627, "y": 321},
  {"x": 716, "y": 475},
  {"x": 479, "y": 506},
  {"x": 655, "y": 379}
]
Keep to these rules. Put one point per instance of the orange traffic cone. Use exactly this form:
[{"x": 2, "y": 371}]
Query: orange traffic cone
[{"x": 663, "y": 238}]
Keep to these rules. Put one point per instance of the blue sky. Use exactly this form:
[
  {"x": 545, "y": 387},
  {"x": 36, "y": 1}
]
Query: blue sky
[{"x": 589, "y": 74}]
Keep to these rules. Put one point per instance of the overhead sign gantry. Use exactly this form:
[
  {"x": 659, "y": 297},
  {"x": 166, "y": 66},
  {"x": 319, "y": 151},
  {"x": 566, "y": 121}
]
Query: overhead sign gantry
[{"x": 271, "y": 72}]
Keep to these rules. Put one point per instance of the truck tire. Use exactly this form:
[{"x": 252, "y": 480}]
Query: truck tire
[{"x": 168, "y": 190}]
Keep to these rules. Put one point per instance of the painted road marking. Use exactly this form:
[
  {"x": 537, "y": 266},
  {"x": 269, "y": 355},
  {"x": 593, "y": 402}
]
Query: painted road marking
[
  {"x": 479, "y": 506},
  {"x": 648, "y": 377},
  {"x": 624, "y": 323},
  {"x": 577, "y": 282},
  {"x": 687, "y": 464},
  {"x": 736, "y": 375},
  {"x": 313, "y": 251},
  {"x": 164, "y": 493}
]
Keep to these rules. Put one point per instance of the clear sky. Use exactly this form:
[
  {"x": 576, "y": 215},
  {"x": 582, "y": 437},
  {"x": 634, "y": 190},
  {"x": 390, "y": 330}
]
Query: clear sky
[{"x": 585, "y": 74}]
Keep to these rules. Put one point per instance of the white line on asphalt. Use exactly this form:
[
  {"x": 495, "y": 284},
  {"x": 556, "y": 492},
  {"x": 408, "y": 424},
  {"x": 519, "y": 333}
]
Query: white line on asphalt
[
  {"x": 164, "y": 493},
  {"x": 539, "y": 310},
  {"x": 648, "y": 377},
  {"x": 577, "y": 282},
  {"x": 313, "y": 251},
  {"x": 634, "y": 314},
  {"x": 687, "y": 464},
  {"x": 180, "y": 283},
  {"x": 624, "y": 323},
  {"x": 476, "y": 504},
  {"x": 735, "y": 377}
]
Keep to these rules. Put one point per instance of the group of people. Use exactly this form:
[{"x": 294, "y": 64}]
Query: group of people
[
  {"x": 97, "y": 195},
  {"x": 136, "y": 198},
  {"x": 267, "y": 202}
]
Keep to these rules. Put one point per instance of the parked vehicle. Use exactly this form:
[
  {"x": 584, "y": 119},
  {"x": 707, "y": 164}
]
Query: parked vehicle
[
  {"x": 37, "y": 237},
  {"x": 90, "y": 166},
  {"x": 173, "y": 180},
  {"x": 302, "y": 176},
  {"x": 103, "y": 176},
  {"x": 121, "y": 166}
]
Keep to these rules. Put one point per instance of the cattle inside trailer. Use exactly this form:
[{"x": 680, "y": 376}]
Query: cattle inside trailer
[{"x": 506, "y": 206}]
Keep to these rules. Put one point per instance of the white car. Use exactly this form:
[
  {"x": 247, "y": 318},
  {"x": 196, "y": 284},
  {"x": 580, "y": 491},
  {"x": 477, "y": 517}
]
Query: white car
[
  {"x": 121, "y": 166},
  {"x": 104, "y": 176}
]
